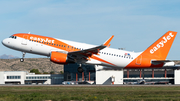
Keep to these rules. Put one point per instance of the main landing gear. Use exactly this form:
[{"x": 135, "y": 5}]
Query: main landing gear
[
  {"x": 23, "y": 55},
  {"x": 80, "y": 69}
]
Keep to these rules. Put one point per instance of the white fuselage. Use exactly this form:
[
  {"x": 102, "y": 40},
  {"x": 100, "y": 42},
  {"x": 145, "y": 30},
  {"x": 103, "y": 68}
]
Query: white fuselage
[{"x": 119, "y": 58}]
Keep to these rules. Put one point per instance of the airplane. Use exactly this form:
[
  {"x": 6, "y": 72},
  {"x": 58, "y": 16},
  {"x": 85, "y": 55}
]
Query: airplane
[{"x": 63, "y": 51}]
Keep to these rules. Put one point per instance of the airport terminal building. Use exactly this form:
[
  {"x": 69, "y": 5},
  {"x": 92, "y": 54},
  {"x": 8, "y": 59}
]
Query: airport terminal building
[
  {"x": 93, "y": 74},
  {"x": 24, "y": 77},
  {"x": 98, "y": 75}
]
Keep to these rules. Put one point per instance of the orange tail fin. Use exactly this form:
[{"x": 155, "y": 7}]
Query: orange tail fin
[
  {"x": 157, "y": 51},
  {"x": 160, "y": 49}
]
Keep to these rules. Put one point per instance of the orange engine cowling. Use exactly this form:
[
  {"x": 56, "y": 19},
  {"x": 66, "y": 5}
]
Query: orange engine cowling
[{"x": 59, "y": 58}]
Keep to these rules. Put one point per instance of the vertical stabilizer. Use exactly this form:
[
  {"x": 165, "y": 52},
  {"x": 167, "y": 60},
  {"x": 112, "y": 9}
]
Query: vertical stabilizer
[
  {"x": 160, "y": 49},
  {"x": 157, "y": 51}
]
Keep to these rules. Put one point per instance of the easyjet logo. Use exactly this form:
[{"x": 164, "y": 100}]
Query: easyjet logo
[
  {"x": 42, "y": 39},
  {"x": 161, "y": 43}
]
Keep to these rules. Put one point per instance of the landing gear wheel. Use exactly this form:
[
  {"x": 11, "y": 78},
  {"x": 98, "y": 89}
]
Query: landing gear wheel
[
  {"x": 23, "y": 55},
  {"x": 21, "y": 60},
  {"x": 80, "y": 69}
]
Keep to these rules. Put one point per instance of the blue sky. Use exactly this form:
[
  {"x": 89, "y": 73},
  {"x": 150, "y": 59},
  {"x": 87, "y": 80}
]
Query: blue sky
[{"x": 136, "y": 24}]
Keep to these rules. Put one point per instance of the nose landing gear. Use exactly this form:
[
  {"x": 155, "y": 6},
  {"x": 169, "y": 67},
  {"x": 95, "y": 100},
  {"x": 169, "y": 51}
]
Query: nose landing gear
[
  {"x": 80, "y": 69},
  {"x": 22, "y": 59}
]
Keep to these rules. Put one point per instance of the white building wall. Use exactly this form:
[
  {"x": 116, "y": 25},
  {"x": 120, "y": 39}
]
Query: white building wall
[
  {"x": 2, "y": 78},
  {"x": 176, "y": 76},
  {"x": 22, "y": 74},
  {"x": 30, "y": 78},
  {"x": 104, "y": 77}
]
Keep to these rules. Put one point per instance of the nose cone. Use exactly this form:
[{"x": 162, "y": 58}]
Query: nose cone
[{"x": 5, "y": 42}]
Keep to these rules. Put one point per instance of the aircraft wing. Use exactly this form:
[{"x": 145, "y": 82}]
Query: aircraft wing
[{"x": 85, "y": 54}]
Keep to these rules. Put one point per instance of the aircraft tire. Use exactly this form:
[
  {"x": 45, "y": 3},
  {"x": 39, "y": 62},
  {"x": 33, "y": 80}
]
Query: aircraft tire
[
  {"x": 80, "y": 69},
  {"x": 21, "y": 60}
]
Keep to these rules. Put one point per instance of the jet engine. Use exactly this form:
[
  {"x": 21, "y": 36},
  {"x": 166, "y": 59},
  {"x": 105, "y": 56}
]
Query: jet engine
[{"x": 57, "y": 57}]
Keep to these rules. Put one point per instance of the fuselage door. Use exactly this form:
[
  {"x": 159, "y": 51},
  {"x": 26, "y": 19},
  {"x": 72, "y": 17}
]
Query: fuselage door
[
  {"x": 139, "y": 60},
  {"x": 24, "y": 40}
]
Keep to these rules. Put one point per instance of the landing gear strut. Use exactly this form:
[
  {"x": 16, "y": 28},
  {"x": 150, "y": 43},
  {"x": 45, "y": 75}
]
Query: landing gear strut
[
  {"x": 22, "y": 59},
  {"x": 80, "y": 69}
]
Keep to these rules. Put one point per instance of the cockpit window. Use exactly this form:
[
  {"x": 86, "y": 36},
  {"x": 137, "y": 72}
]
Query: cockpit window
[{"x": 13, "y": 37}]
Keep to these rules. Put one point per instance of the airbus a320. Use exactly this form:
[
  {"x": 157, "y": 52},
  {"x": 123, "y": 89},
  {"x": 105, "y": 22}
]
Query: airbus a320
[{"x": 63, "y": 51}]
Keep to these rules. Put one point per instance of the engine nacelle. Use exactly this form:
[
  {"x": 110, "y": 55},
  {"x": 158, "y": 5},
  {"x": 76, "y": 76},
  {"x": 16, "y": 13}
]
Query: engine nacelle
[{"x": 57, "y": 57}]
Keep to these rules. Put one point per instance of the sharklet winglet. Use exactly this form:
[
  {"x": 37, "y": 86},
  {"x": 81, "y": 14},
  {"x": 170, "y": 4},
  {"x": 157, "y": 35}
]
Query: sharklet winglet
[{"x": 108, "y": 41}]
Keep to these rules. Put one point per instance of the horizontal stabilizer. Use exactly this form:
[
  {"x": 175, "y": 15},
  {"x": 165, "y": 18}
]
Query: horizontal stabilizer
[{"x": 165, "y": 62}]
